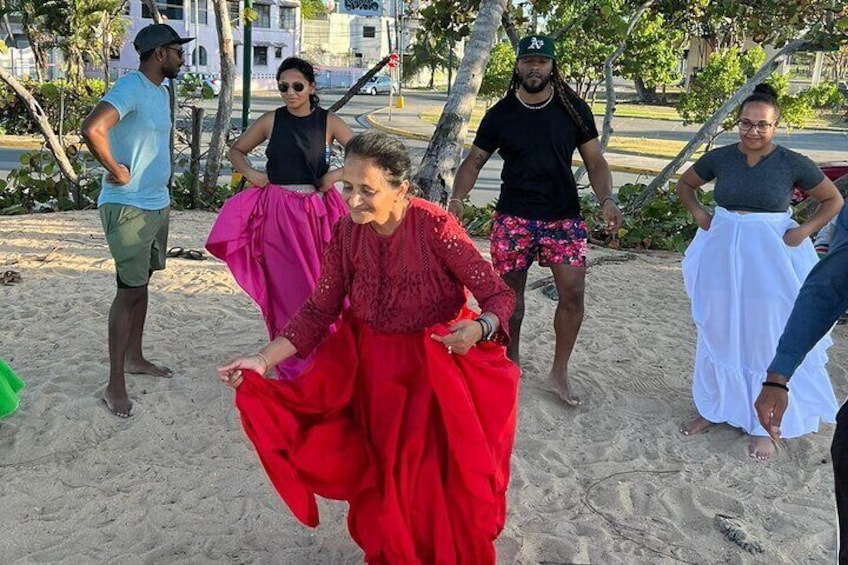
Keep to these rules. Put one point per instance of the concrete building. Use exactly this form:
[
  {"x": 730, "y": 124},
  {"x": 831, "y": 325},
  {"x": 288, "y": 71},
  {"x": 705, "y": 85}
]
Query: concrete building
[{"x": 276, "y": 34}]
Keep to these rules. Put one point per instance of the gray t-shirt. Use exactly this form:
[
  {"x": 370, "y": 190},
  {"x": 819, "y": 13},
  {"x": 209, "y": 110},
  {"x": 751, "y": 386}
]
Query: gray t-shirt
[{"x": 765, "y": 187}]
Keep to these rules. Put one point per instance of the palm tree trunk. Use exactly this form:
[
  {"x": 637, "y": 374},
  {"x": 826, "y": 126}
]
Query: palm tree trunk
[
  {"x": 439, "y": 163},
  {"x": 223, "y": 119}
]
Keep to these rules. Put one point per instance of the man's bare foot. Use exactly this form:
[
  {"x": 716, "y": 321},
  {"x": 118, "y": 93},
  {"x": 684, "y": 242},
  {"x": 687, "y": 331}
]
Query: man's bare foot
[
  {"x": 560, "y": 384},
  {"x": 119, "y": 405},
  {"x": 696, "y": 426},
  {"x": 761, "y": 448},
  {"x": 145, "y": 367}
]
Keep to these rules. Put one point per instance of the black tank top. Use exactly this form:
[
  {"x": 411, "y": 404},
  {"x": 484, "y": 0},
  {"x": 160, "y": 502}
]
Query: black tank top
[{"x": 296, "y": 149}]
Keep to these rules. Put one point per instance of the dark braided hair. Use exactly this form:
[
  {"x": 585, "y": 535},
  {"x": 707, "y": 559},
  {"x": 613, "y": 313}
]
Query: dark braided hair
[{"x": 565, "y": 96}]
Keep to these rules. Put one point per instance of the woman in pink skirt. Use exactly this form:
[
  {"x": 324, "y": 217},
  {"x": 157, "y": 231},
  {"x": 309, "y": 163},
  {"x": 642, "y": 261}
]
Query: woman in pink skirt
[{"x": 272, "y": 235}]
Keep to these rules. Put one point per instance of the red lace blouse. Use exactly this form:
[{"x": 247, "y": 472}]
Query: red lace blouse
[{"x": 400, "y": 283}]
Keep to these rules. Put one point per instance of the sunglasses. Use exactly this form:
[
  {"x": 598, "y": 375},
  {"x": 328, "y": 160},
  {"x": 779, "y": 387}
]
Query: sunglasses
[
  {"x": 284, "y": 87},
  {"x": 178, "y": 51}
]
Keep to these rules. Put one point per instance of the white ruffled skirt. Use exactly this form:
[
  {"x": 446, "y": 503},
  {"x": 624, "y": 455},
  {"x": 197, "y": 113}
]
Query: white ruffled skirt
[{"x": 742, "y": 280}]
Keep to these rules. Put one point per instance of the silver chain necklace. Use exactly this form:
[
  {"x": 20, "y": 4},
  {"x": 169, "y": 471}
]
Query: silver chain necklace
[{"x": 540, "y": 106}]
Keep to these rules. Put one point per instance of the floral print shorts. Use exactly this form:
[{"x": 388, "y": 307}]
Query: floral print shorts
[{"x": 517, "y": 242}]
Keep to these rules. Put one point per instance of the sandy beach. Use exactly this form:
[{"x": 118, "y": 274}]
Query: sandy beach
[{"x": 612, "y": 482}]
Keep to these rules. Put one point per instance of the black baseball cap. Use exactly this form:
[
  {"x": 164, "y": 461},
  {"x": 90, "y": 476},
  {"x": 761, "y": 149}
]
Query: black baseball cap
[{"x": 157, "y": 35}]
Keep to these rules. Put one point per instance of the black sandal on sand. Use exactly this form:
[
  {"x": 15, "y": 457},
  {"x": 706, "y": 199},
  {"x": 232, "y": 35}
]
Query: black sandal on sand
[
  {"x": 193, "y": 254},
  {"x": 182, "y": 253}
]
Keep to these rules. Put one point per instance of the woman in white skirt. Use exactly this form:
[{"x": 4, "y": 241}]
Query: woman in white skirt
[{"x": 743, "y": 271}]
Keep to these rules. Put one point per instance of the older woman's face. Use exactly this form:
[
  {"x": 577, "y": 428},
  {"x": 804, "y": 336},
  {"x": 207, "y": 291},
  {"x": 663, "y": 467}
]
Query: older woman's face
[
  {"x": 368, "y": 192},
  {"x": 757, "y": 125}
]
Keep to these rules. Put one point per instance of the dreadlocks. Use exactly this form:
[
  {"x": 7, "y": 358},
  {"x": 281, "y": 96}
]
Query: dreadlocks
[{"x": 564, "y": 93}]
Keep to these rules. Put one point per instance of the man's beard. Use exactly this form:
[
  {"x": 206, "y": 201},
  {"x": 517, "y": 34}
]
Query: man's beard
[{"x": 535, "y": 89}]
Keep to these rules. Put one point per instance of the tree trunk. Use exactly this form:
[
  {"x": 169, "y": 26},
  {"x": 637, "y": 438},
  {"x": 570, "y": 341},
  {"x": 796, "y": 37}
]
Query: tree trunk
[
  {"x": 154, "y": 10},
  {"x": 223, "y": 118},
  {"x": 711, "y": 126},
  {"x": 609, "y": 65},
  {"x": 646, "y": 95},
  {"x": 442, "y": 156},
  {"x": 359, "y": 84},
  {"x": 37, "y": 42},
  {"x": 510, "y": 30},
  {"x": 37, "y": 113}
]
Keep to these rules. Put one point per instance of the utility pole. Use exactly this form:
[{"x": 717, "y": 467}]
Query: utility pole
[{"x": 246, "y": 69}]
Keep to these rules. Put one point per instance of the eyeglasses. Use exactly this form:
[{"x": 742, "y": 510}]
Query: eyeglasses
[
  {"x": 746, "y": 125},
  {"x": 177, "y": 50},
  {"x": 284, "y": 87}
]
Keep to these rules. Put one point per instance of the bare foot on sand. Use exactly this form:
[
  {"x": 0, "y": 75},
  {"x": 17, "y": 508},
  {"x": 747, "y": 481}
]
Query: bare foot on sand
[
  {"x": 560, "y": 384},
  {"x": 696, "y": 426},
  {"x": 761, "y": 448},
  {"x": 119, "y": 405},
  {"x": 145, "y": 367}
]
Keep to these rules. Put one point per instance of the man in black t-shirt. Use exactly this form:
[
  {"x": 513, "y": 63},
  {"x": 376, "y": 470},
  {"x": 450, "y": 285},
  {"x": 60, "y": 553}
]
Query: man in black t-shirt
[{"x": 536, "y": 128}]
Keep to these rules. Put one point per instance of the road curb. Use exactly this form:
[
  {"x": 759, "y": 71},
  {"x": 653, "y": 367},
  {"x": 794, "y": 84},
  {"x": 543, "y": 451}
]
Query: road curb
[
  {"x": 21, "y": 142},
  {"x": 377, "y": 124}
]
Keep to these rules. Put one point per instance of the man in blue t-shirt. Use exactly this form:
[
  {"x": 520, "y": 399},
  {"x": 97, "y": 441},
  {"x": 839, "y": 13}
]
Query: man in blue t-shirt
[
  {"x": 129, "y": 133},
  {"x": 536, "y": 128}
]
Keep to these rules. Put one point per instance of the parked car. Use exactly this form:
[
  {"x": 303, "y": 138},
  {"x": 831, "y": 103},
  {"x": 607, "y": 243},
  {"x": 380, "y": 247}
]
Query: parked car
[
  {"x": 380, "y": 84},
  {"x": 204, "y": 85}
]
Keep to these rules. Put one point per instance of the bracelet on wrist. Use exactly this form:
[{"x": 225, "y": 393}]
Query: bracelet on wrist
[
  {"x": 461, "y": 203},
  {"x": 776, "y": 385},
  {"x": 488, "y": 328},
  {"x": 484, "y": 329},
  {"x": 604, "y": 200},
  {"x": 264, "y": 359}
]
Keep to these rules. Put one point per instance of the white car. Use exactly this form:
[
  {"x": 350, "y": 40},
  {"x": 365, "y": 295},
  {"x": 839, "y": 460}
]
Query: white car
[{"x": 380, "y": 84}]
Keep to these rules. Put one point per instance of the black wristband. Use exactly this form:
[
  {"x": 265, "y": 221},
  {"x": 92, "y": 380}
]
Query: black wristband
[
  {"x": 776, "y": 385},
  {"x": 604, "y": 201}
]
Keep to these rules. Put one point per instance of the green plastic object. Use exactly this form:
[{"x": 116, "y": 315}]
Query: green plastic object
[{"x": 10, "y": 386}]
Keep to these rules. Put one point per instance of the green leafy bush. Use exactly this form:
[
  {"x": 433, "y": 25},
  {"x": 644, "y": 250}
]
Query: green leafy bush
[
  {"x": 824, "y": 97},
  {"x": 477, "y": 220},
  {"x": 662, "y": 223},
  {"x": 77, "y": 100},
  {"x": 39, "y": 184},
  {"x": 208, "y": 200}
]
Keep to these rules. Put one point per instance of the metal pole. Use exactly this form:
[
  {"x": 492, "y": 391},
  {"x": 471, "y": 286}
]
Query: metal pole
[
  {"x": 246, "y": 70},
  {"x": 197, "y": 43},
  {"x": 400, "y": 51}
]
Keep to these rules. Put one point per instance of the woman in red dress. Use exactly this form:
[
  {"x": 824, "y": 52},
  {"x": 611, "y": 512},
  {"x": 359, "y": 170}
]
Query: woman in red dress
[{"x": 408, "y": 410}]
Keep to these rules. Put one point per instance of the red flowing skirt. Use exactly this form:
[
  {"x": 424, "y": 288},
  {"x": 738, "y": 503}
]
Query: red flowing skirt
[{"x": 416, "y": 440}]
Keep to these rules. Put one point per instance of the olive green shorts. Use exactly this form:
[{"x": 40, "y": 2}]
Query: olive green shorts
[{"x": 137, "y": 241}]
